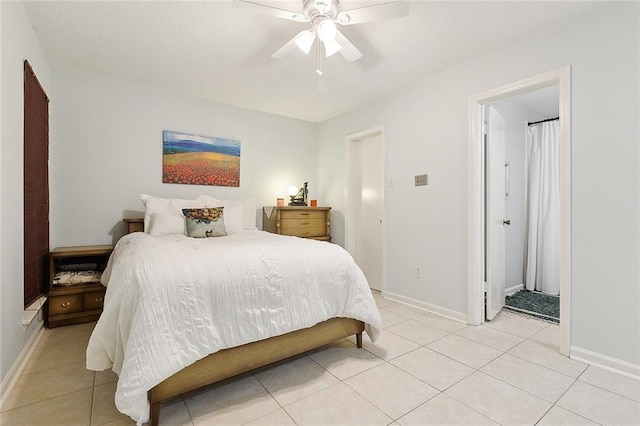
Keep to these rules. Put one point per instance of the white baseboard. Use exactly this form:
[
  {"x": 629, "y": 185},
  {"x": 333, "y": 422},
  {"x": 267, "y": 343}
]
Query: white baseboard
[
  {"x": 434, "y": 309},
  {"x": 19, "y": 365},
  {"x": 605, "y": 362},
  {"x": 513, "y": 290}
]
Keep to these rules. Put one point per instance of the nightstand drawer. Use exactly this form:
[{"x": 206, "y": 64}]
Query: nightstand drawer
[
  {"x": 93, "y": 300},
  {"x": 65, "y": 304}
]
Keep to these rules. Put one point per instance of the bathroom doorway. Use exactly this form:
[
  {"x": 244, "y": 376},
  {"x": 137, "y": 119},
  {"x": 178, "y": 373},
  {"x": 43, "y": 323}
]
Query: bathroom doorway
[
  {"x": 481, "y": 291},
  {"x": 531, "y": 193}
]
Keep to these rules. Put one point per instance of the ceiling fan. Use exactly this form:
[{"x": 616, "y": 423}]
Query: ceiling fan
[{"x": 323, "y": 15}]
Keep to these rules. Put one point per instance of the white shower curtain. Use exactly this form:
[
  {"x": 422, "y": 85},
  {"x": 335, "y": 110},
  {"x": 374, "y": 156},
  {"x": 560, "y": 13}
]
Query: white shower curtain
[{"x": 542, "y": 266}]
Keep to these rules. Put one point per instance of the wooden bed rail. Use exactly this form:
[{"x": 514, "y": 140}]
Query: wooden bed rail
[{"x": 241, "y": 359}]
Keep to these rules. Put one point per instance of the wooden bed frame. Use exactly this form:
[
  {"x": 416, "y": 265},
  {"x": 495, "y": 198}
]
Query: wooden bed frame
[
  {"x": 230, "y": 362},
  {"x": 241, "y": 359}
]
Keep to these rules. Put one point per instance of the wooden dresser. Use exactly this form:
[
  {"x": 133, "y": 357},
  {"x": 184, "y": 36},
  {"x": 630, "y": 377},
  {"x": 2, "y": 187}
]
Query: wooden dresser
[
  {"x": 76, "y": 303},
  {"x": 305, "y": 222}
]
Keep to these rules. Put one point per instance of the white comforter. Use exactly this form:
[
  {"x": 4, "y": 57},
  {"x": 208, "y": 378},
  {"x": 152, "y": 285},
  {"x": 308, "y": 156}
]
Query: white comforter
[{"x": 172, "y": 300}]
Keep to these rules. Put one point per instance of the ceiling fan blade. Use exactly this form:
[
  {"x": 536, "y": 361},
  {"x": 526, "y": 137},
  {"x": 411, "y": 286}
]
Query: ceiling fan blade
[
  {"x": 303, "y": 40},
  {"x": 270, "y": 10},
  {"x": 392, "y": 9},
  {"x": 349, "y": 51}
]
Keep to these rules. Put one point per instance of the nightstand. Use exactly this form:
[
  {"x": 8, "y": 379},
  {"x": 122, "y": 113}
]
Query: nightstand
[
  {"x": 134, "y": 224},
  {"x": 298, "y": 221},
  {"x": 77, "y": 303}
]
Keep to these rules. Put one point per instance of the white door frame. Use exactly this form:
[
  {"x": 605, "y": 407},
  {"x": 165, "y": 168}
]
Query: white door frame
[
  {"x": 351, "y": 208},
  {"x": 475, "y": 225}
]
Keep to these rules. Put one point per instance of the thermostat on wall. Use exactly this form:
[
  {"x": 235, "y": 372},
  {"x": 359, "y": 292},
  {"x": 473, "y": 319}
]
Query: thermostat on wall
[{"x": 421, "y": 180}]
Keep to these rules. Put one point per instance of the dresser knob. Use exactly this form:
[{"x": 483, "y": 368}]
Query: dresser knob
[
  {"x": 65, "y": 304},
  {"x": 99, "y": 299}
]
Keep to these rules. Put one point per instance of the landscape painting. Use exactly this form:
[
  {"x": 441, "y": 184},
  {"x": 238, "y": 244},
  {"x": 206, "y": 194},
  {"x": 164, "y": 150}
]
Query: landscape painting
[{"x": 200, "y": 160}]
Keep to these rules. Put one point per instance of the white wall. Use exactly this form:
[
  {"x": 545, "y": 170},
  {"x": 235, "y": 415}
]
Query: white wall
[
  {"x": 516, "y": 117},
  {"x": 106, "y": 149},
  {"x": 18, "y": 42},
  {"x": 426, "y": 132}
]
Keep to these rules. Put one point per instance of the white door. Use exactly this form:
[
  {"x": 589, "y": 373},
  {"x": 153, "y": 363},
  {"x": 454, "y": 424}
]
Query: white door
[
  {"x": 369, "y": 210},
  {"x": 495, "y": 211}
]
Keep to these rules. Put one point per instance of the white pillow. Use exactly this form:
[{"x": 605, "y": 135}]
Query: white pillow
[
  {"x": 232, "y": 215},
  {"x": 248, "y": 209},
  {"x": 167, "y": 206},
  {"x": 249, "y": 214},
  {"x": 164, "y": 224}
]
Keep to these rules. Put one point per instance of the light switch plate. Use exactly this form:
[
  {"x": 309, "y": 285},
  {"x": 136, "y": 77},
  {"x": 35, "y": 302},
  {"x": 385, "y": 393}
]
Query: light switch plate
[{"x": 421, "y": 180}]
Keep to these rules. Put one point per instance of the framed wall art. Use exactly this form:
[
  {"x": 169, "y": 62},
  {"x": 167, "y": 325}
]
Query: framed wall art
[{"x": 200, "y": 160}]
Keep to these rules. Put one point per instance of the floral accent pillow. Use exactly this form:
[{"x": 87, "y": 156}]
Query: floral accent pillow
[{"x": 205, "y": 222}]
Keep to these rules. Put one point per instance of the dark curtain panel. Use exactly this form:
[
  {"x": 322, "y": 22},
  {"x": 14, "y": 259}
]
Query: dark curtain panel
[{"x": 36, "y": 187}]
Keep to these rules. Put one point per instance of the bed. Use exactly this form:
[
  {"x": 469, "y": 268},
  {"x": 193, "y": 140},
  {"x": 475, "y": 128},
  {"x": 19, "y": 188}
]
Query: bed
[{"x": 181, "y": 313}]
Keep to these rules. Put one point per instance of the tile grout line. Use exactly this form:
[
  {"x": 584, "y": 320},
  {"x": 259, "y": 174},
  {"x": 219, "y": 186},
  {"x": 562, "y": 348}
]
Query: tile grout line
[
  {"x": 46, "y": 399},
  {"x": 544, "y": 366},
  {"x": 478, "y": 370},
  {"x": 276, "y": 400},
  {"x": 186, "y": 407},
  {"x": 555, "y": 404},
  {"x": 601, "y": 388},
  {"x": 449, "y": 333},
  {"x": 443, "y": 392}
]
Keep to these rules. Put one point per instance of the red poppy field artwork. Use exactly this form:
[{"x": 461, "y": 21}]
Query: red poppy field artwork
[{"x": 200, "y": 160}]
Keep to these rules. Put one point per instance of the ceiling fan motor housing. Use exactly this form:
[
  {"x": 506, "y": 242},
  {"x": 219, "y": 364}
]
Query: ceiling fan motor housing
[{"x": 317, "y": 8}]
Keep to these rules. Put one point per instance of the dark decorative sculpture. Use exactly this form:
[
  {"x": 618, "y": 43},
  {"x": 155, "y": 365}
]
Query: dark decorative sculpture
[{"x": 300, "y": 199}]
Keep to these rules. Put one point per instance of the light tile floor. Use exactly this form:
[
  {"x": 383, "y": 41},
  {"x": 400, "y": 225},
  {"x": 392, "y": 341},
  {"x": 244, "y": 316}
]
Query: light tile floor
[{"x": 423, "y": 370}]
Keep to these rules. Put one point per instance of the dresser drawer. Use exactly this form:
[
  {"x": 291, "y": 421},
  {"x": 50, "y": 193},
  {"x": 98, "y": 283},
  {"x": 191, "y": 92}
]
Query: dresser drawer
[
  {"x": 304, "y": 232},
  {"x": 65, "y": 304},
  {"x": 304, "y": 228},
  {"x": 93, "y": 300},
  {"x": 303, "y": 214}
]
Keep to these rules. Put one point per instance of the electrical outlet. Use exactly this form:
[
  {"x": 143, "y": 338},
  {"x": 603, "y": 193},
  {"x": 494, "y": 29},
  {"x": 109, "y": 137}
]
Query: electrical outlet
[{"x": 418, "y": 273}]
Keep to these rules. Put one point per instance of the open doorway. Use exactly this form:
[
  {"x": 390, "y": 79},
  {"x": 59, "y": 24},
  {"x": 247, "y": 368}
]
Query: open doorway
[
  {"x": 364, "y": 231},
  {"x": 531, "y": 194},
  {"x": 479, "y": 283}
]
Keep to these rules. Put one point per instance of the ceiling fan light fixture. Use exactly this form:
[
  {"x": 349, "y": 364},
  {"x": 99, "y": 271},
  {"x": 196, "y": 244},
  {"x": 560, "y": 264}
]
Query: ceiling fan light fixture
[
  {"x": 304, "y": 41},
  {"x": 323, "y": 15},
  {"x": 327, "y": 30},
  {"x": 331, "y": 47}
]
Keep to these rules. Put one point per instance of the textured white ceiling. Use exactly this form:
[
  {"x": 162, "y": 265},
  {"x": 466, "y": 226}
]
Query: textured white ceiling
[{"x": 215, "y": 51}]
